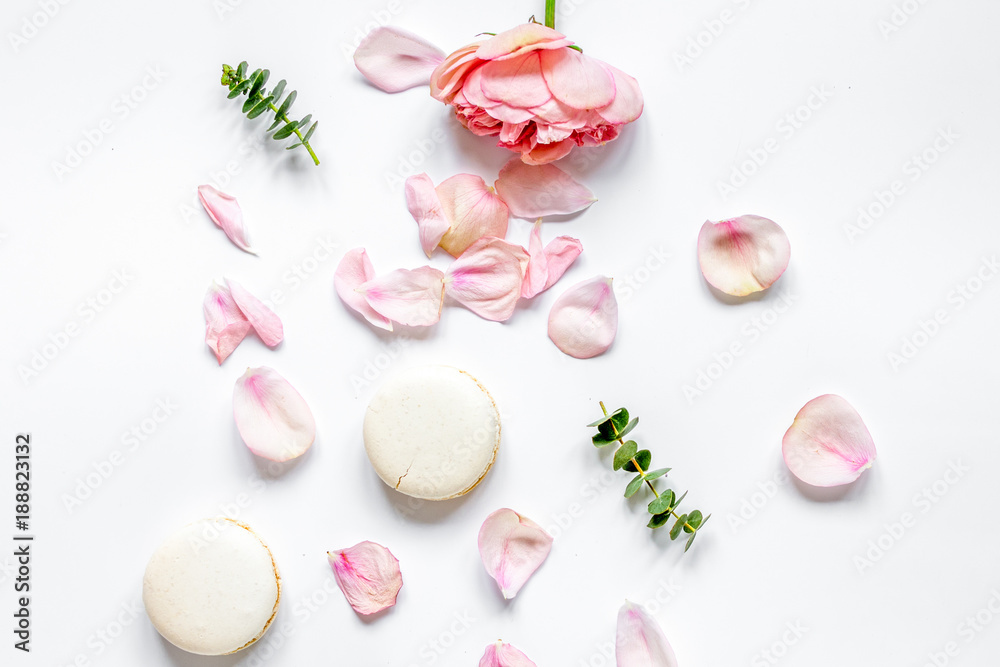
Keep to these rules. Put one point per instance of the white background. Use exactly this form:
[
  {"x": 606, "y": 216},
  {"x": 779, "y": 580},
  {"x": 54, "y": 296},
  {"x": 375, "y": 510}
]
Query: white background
[{"x": 129, "y": 206}]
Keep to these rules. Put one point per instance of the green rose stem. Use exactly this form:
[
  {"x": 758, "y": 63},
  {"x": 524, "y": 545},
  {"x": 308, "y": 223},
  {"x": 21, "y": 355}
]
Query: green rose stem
[
  {"x": 550, "y": 14},
  {"x": 613, "y": 428},
  {"x": 257, "y": 103}
]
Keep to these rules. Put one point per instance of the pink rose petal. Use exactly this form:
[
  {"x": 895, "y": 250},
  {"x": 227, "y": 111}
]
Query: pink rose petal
[
  {"x": 577, "y": 80},
  {"x": 395, "y": 60},
  {"x": 487, "y": 278},
  {"x": 410, "y": 297},
  {"x": 512, "y": 548},
  {"x": 828, "y": 444},
  {"x": 537, "y": 191},
  {"x": 627, "y": 106},
  {"x": 369, "y": 576},
  {"x": 743, "y": 255},
  {"x": 547, "y": 265},
  {"x": 354, "y": 270},
  {"x": 263, "y": 320},
  {"x": 640, "y": 641},
  {"x": 584, "y": 320},
  {"x": 225, "y": 212},
  {"x": 516, "y": 82},
  {"x": 273, "y": 419},
  {"x": 425, "y": 207},
  {"x": 473, "y": 210},
  {"x": 225, "y": 324},
  {"x": 521, "y": 39},
  {"x": 504, "y": 655}
]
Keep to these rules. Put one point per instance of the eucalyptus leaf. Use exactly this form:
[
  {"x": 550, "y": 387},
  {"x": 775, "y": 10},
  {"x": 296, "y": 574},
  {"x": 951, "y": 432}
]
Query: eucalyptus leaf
[
  {"x": 286, "y": 131},
  {"x": 656, "y": 474},
  {"x": 658, "y": 520},
  {"x": 287, "y": 104},
  {"x": 625, "y": 454},
  {"x": 642, "y": 457},
  {"x": 676, "y": 530},
  {"x": 633, "y": 486}
]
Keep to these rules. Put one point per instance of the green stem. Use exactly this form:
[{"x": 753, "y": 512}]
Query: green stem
[
  {"x": 638, "y": 467},
  {"x": 284, "y": 118},
  {"x": 550, "y": 13}
]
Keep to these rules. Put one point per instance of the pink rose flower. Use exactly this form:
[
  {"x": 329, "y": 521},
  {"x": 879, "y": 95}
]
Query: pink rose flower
[{"x": 535, "y": 93}]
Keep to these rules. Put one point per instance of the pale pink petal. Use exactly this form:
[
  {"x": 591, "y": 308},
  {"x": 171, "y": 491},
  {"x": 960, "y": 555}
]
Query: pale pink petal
[
  {"x": 584, "y": 320},
  {"x": 487, "y": 278},
  {"x": 369, "y": 576},
  {"x": 547, "y": 265},
  {"x": 425, "y": 207},
  {"x": 410, "y": 297},
  {"x": 473, "y": 210},
  {"x": 504, "y": 655},
  {"x": 516, "y": 82},
  {"x": 225, "y": 323},
  {"x": 627, "y": 105},
  {"x": 263, "y": 320},
  {"x": 545, "y": 153},
  {"x": 580, "y": 81},
  {"x": 447, "y": 79},
  {"x": 640, "y": 641},
  {"x": 521, "y": 39},
  {"x": 273, "y": 419},
  {"x": 225, "y": 212},
  {"x": 828, "y": 444},
  {"x": 394, "y": 59},
  {"x": 512, "y": 548},
  {"x": 355, "y": 269},
  {"x": 538, "y": 191},
  {"x": 743, "y": 255}
]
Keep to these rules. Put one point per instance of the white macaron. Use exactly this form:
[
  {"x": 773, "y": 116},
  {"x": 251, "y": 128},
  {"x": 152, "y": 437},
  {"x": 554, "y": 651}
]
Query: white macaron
[
  {"x": 212, "y": 588},
  {"x": 432, "y": 432}
]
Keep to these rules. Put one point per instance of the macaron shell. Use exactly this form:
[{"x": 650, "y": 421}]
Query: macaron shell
[
  {"x": 212, "y": 588},
  {"x": 432, "y": 432}
]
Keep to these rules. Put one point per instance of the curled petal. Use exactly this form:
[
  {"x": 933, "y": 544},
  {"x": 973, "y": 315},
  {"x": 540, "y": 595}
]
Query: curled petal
[
  {"x": 640, "y": 641},
  {"x": 425, "y": 207},
  {"x": 537, "y": 191},
  {"x": 545, "y": 153},
  {"x": 487, "y": 278},
  {"x": 473, "y": 210},
  {"x": 225, "y": 212},
  {"x": 448, "y": 78},
  {"x": 547, "y": 265},
  {"x": 369, "y": 576},
  {"x": 627, "y": 105},
  {"x": 225, "y": 324},
  {"x": 410, "y": 297},
  {"x": 504, "y": 655},
  {"x": 512, "y": 548},
  {"x": 577, "y": 80},
  {"x": 584, "y": 320},
  {"x": 828, "y": 444},
  {"x": 273, "y": 419},
  {"x": 263, "y": 320},
  {"x": 521, "y": 39},
  {"x": 394, "y": 59},
  {"x": 743, "y": 255},
  {"x": 354, "y": 270}
]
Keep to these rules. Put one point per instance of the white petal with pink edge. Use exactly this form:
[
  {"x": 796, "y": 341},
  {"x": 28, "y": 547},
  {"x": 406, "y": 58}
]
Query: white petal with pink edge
[
  {"x": 512, "y": 548},
  {"x": 828, "y": 444},
  {"x": 354, "y": 270},
  {"x": 369, "y": 576},
  {"x": 473, "y": 210},
  {"x": 504, "y": 655},
  {"x": 547, "y": 265},
  {"x": 226, "y": 213},
  {"x": 743, "y": 255},
  {"x": 640, "y": 641},
  {"x": 425, "y": 207},
  {"x": 583, "y": 322},
  {"x": 225, "y": 324},
  {"x": 487, "y": 278},
  {"x": 535, "y": 191},
  {"x": 264, "y": 321},
  {"x": 272, "y": 417},
  {"x": 409, "y": 296},
  {"x": 395, "y": 60}
]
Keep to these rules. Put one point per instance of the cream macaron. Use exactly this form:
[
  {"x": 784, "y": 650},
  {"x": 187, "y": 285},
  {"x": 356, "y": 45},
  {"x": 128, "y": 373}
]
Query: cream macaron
[
  {"x": 212, "y": 588},
  {"x": 432, "y": 432}
]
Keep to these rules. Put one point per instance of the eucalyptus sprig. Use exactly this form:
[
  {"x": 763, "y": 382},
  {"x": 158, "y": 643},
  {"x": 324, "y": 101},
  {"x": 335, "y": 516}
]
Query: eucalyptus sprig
[
  {"x": 612, "y": 428},
  {"x": 259, "y": 101}
]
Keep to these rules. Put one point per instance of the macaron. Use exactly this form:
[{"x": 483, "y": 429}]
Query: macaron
[
  {"x": 212, "y": 588},
  {"x": 432, "y": 432}
]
